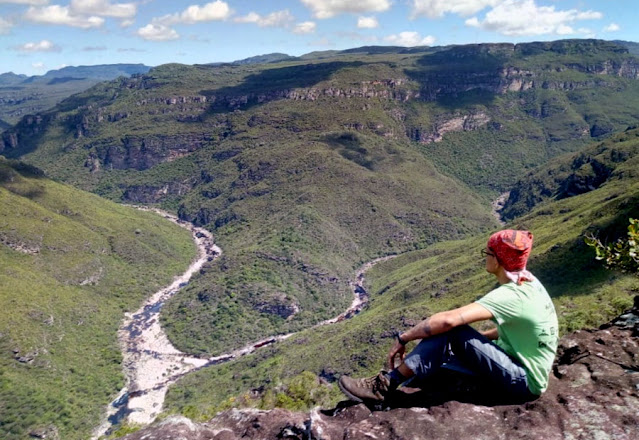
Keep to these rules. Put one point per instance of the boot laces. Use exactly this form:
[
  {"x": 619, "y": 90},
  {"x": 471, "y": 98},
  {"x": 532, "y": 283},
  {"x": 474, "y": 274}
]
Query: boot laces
[{"x": 375, "y": 383}]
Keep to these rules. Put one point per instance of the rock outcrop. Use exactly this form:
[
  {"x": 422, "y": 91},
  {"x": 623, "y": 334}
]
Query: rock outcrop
[
  {"x": 593, "y": 393},
  {"x": 450, "y": 123},
  {"x": 141, "y": 153},
  {"x": 30, "y": 126}
]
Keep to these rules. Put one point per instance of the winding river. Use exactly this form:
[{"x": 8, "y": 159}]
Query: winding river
[{"x": 151, "y": 363}]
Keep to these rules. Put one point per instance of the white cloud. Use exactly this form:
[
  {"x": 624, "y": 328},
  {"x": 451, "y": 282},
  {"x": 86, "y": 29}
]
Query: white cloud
[
  {"x": 437, "y": 8},
  {"x": 274, "y": 19},
  {"x": 367, "y": 22},
  {"x": 473, "y": 22},
  {"x": 62, "y": 15},
  {"x": 525, "y": 18},
  {"x": 26, "y": 2},
  {"x": 410, "y": 39},
  {"x": 42, "y": 46},
  {"x": 306, "y": 27},
  {"x": 5, "y": 26},
  {"x": 251, "y": 17},
  {"x": 103, "y": 8},
  {"x": 563, "y": 29},
  {"x": 157, "y": 32},
  {"x": 38, "y": 66},
  {"x": 612, "y": 27},
  {"x": 330, "y": 8},
  {"x": 214, "y": 11}
]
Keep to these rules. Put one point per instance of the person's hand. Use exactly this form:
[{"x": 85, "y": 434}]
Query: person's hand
[{"x": 397, "y": 350}]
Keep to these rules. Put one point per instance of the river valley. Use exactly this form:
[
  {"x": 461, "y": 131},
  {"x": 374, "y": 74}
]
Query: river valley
[{"x": 151, "y": 363}]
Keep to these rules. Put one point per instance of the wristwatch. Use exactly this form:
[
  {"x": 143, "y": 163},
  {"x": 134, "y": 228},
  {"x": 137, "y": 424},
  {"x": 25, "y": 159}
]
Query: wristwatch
[{"x": 399, "y": 339}]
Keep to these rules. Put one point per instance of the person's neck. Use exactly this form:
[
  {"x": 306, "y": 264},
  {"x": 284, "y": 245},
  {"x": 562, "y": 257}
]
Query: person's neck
[{"x": 502, "y": 278}]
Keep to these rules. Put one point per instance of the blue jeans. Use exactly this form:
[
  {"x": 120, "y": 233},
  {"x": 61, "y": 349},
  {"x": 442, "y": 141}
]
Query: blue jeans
[{"x": 465, "y": 350}]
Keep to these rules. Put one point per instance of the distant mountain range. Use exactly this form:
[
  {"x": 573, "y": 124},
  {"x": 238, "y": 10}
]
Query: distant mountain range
[
  {"x": 21, "y": 94},
  {"x": 100, "y": 72}
]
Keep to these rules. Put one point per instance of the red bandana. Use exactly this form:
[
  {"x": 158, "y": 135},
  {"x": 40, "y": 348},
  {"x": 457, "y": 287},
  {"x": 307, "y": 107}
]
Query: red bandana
[{"x": 511, "y": 248}]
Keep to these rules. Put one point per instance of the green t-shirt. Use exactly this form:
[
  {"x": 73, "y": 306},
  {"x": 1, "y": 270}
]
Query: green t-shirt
[{"x": 528, "y": 329}]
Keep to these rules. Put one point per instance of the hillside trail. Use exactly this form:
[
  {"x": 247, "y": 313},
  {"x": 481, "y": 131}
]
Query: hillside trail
[{"x": 151, "y": 363}]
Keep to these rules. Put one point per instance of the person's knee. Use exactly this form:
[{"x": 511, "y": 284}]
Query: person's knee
[
  {"x": 428, "y": 354},
  {"x": 461, "y": 335}
]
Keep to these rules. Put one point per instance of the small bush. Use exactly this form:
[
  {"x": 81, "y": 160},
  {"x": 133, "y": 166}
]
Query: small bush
[{"x": 623, "y": 253}]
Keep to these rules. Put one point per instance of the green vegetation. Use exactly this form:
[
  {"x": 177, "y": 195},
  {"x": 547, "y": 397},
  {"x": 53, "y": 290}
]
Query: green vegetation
[
  {"x": 298, "y": 393},
  {"x": 19, "y": 100},
  {"x": 569, "y": 175},
  {"x": 306, "y": 168},
  {"x": 72, "y": 265},
  {"x": 622, "y": 254},
  {"x": 442, "y": 276}
]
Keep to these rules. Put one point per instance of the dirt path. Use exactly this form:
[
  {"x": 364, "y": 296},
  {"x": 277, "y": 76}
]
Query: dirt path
[{"x": 151, "y": 363}]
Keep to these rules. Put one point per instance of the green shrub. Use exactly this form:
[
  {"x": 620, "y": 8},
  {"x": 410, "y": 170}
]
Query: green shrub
[{"x": 623, "y": 254}]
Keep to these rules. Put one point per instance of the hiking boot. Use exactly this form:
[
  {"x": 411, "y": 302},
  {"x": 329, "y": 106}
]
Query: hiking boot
[{"x": 374, "y": 388}]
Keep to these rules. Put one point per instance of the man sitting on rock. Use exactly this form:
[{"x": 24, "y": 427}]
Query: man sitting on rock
[{"x": 515, "y": 366}]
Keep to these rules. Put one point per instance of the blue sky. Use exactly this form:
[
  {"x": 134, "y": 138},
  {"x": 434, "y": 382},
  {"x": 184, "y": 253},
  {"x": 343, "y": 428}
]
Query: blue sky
[{"x": 41, "y": 35}]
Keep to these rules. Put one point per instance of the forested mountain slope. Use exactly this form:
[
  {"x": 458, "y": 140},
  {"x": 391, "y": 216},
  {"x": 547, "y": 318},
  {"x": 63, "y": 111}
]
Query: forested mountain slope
[
  {"x": 72, "y": 265},
  {"x": 573, "y": 174},
  {"x": 304, "y": 169}
]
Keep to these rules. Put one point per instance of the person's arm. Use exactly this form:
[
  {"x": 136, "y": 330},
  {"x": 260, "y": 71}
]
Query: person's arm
[
  {"x": 438, "y": 323},
  {"x": 491, "y": 334}
]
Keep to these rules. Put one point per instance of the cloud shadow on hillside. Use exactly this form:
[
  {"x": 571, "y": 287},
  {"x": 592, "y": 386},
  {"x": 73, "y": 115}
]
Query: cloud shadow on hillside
[
  {"x": 267, "y": 85},
  {"x": 461, "y": 76}
]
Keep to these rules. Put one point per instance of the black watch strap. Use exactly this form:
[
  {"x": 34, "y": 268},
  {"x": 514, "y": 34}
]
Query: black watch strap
[{"x": 399, "y": 339}]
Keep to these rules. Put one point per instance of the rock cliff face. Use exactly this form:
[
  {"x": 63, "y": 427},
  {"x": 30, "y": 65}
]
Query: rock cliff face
[
  {"x": 143, "y": 152},
  {"x": 29, "y": 126},
  {"x": 155, "y": 194},
  {"x": 449, "y": 123},
  {"x": 390, "y": 89},
  {"x": 490, "y": 69},
  {"x": 593, "y": 394}
]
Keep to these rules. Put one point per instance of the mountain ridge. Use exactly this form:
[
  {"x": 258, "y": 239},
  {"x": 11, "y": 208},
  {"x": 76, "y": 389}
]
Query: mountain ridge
[{"x": 223, "y": 146}]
